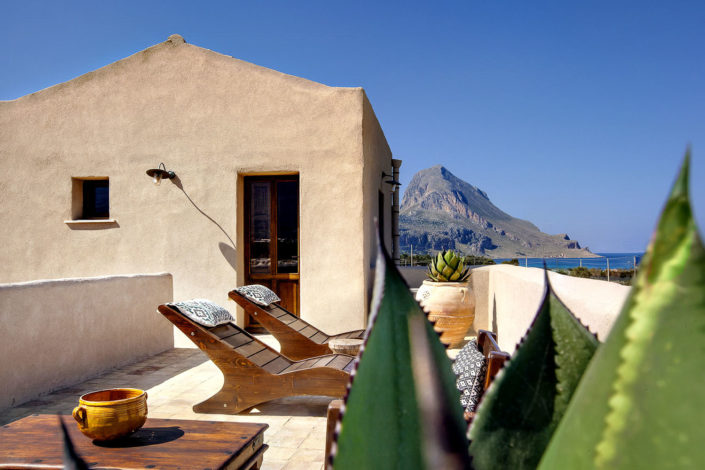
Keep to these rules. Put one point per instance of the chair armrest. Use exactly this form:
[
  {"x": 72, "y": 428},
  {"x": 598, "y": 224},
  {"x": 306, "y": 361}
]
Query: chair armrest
[
  {"x": 487, "y": 342},
  {"x": 334, "y": 408},
  {"x": 495, "y": 362}
]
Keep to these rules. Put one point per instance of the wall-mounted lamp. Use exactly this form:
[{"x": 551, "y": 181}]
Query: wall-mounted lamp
[
  {"x": 161, "y": 172},
  {"x": 391, "y": 181}
]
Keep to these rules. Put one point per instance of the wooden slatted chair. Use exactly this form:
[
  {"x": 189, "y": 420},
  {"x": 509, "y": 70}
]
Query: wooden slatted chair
[
  {"x": 298, "y": 339},
  {"x": 494, "y": 359},
  {"x": 255, "y": 373}
]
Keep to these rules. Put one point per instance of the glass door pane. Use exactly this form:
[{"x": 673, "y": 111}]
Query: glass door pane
[
  {"x": 260, "y": 227},
  {"x": 287, "y": 227}
]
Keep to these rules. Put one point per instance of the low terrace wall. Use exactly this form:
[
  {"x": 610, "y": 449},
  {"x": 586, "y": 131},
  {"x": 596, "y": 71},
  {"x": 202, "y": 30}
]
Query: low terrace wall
[
  {"x": 413, "y": 275},
  {"x": 507, "y": 299},
  {"x": 60, "y": 332}
]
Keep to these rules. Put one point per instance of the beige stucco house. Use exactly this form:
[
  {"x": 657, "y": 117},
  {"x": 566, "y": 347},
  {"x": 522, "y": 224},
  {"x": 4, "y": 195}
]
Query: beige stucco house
[{"x": 278, "y": 181}]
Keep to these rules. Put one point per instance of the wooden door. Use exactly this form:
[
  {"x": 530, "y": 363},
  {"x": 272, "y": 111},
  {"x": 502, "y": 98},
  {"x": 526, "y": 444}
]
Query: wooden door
[{"x": 272, "y": 236}]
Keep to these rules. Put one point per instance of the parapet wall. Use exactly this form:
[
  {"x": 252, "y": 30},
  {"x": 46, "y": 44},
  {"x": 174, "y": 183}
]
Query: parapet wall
[
  {"x": 60, "y": 332},
  {"x": 507, "y": 299}
]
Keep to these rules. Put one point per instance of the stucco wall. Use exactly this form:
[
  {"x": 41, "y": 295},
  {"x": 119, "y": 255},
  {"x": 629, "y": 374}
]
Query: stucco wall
[
  {"x": 212, "y": 119},
  {"x": 507, "y": 299},
  {"x": 66, "y": 331}
]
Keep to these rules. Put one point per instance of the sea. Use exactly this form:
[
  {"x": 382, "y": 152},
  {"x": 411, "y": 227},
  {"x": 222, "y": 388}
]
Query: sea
[{"x": 616, "y": 261}]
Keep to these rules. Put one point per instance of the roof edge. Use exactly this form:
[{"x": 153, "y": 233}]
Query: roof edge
[{"x": 175, "y": 40}]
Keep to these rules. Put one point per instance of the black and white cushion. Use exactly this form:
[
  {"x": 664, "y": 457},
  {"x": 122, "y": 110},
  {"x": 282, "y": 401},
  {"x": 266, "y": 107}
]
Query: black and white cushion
[
  {"x": 470, "y": 367},
  {"x": 259, "y": 294},
  {"x": 204, "y": 312}
]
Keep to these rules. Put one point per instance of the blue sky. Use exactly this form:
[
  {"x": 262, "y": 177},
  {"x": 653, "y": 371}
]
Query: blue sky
[{"x": 574, "y": 115}]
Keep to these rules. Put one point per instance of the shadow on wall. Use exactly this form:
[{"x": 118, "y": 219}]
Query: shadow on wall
[
  {"x": 228, "y": 251},
  {"x": 229, "y": 254},
  {"x": 494, "y": 314}
]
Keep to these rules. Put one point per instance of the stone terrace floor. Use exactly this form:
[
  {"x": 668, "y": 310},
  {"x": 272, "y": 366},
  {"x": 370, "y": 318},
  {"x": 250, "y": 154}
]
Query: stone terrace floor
[{"x": 179, "y": 378}]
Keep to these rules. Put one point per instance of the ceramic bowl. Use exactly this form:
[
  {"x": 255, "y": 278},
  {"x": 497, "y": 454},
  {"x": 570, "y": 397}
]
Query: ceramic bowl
[{"x": 111, "y": 414}]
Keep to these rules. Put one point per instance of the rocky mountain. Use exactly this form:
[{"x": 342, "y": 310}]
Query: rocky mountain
[{"x": 441, "y": 211}]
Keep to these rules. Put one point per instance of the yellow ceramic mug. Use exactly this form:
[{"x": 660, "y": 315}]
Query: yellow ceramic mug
[{"x": 111, "y": 414}]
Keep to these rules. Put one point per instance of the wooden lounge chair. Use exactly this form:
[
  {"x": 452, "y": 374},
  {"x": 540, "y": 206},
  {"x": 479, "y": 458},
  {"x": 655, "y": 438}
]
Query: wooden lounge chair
[
  {"x": 255, "y": 373},
  {"x": 298, "y": 339}
]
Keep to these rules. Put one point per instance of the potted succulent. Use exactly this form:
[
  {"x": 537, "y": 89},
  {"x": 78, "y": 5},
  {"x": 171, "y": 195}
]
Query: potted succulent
[{"x": 447, "y": 297}]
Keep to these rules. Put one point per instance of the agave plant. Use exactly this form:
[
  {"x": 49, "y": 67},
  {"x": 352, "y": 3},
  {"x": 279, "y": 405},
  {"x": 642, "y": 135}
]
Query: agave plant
[
  {"x": 402, "y": 410},
  {"x": 447, "y": 267}
]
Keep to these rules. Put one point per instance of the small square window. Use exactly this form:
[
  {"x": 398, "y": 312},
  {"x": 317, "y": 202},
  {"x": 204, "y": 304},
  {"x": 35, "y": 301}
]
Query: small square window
[
  {"x": 91, "y": 199},
  {"x": 96, "y": 199}
]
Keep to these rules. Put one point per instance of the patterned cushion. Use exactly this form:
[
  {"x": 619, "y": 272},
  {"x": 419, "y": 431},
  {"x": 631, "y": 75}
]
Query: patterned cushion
[
  {"x": 470, "y": 367},
  {"x": 204, "y": 312},
  {"x": 258, "y": 294}
]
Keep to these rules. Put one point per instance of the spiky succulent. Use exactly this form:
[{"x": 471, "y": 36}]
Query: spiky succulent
[{"x": 447, "y": 267}]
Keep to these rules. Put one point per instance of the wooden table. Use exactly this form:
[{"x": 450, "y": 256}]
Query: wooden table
[{"x": 35, "y": 441}]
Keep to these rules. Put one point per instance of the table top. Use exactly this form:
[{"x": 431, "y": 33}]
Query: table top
[
  {"x": 160, "y": 443},
  {"x": 345, "y": 345}
]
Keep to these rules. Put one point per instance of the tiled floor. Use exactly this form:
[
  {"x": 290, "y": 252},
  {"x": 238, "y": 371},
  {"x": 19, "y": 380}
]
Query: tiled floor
[{"x": 179, "y": 378}]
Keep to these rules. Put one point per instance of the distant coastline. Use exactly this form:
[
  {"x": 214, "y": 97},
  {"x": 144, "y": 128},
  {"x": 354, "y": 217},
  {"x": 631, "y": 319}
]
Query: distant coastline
[{"x": 616, "y": 261}]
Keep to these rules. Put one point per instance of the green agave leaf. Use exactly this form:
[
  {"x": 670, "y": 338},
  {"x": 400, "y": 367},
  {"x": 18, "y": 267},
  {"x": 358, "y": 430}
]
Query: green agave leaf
[
  {"x": 447, "y": 256},
  {"x": 640, "y": 403},
  {"x": 71, "y": 459},
  {"x": 403, "y": 410},
  {"x": 521, "y": 410},
  {"x": 447, "y": 272},
  {"x": 451, "y": 259},
  {"x": 440, "y": 261},
  {"x": 434, "y": 270}
]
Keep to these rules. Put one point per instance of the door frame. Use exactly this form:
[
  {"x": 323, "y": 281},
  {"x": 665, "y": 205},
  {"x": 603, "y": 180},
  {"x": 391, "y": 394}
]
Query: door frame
[{"x": 275, "y": 278}]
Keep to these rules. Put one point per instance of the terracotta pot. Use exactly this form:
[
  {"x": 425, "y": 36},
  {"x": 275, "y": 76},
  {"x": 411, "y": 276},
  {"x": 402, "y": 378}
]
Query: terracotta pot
[
  {"x": 110, "y": 414},
  {"x": 451, "y": 305}
]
